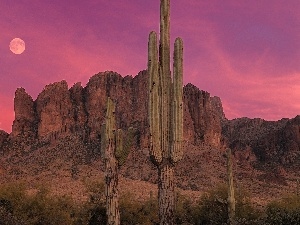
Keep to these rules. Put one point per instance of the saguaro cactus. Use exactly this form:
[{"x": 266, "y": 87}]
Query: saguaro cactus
[
  {"x": 114, "y": 151},
  {"x": 231, "y": 198},
  {"x": 165, "y": 111}
]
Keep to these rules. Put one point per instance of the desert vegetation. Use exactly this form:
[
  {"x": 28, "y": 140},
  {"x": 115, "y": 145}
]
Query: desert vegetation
[
  {"x": 22, "y": 205},
  {"x": 114, "y": 150},
  {"x": 165, "y": 111}
]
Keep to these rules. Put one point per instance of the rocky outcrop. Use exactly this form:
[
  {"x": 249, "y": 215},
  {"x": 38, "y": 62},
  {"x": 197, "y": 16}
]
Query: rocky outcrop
[
  {"x": 205, "y": 113},
  {"x": 54, "y": 111},
  {"x": 99, "y": 87},
  {"x": 59, "y": 112},
  {"x": 78, "y": 110},
  {"x": 62, "y": 127},
  {"x": 270, "y": 141},
  {"x": 281, "y": 145},
  {"x": 25, "y": 117},
  {"x": 3, "y": 137}
]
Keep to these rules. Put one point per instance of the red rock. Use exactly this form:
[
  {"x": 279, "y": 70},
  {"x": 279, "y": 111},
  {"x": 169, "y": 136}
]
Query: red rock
[
  {"x": 25, "y": 118},
  {"x": 54, "y": 111},
  {"x": 61, "y": 112},
  {"x": 3, "y": 137}
]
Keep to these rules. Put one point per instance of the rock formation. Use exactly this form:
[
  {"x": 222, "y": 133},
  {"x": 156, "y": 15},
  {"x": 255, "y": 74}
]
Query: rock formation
[
  {"x": 270, "y": 141},
  {"x": 25, "y": 118},
  {"x": 58, "y": 111},
  {"x": 205, "y": 113},
  {"x": 3, "y": 137},
  {"x": 78, "y": 112},
  {"x": 53, "y": 108},
  {"x": 62, "y": 128}
]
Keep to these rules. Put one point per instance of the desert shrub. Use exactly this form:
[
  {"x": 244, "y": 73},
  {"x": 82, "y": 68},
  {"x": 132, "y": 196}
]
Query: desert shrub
[
  {"x": 93, "y": 211},
  {"x": 38, "y": 208},
  {"x": 212, "y": 208},
  {"x": 7, "y": 218},
  {"x": 284, "y": 211},
  {"x": 150, "y": 210},
  {"x": 131, "y": 211},
  {"x": 183, "y": 210},
  {"x": 134, "y": 212}
]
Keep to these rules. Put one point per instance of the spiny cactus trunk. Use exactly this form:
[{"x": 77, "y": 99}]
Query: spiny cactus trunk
[
  {"x": 111, "y": 187},
  {"x": 165, "y": 111},
  {"x": 109, "y": 141},
  {"x": 166, "y": 194},
  {"x": 115, "y": 150},
  {"x": 231, "y": 199}
]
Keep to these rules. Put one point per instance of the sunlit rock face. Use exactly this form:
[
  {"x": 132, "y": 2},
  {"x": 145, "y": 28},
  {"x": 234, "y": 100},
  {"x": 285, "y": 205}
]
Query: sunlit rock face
[
  {"x": 205, "y": 113},
  {"x": 78, "y": 110},
  {"x": 99, "y": 87},
  {"x": 54, "y": 110},
  {"x": 59, "y": 112},
  {"x": 25, "y": 118}
]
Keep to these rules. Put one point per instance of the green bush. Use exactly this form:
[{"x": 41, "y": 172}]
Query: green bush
[
  {"x": 183, "y": 210},
  {"x": 93, "y": 212},
  {"x": 38, "y": 208},
  {"x": 284, "y": 212},
  {"x": 133, "y": 212},
  {"x": 19, "y": 207},
  {"x": 212, "y": 208}
]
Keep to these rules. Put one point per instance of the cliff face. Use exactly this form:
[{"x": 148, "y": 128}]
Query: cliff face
[
  {"x": 58, "y": 111},
  {"x": 61, "y": 128},
  {"x": 53, "y": 109},
  {"x": 203, "y": 115},
  {"x": 78, "y": 112},
  {"x": 3, "y": 137},
  {"x": 270, "y": 141},
  {"x": 25, "y": 118}
]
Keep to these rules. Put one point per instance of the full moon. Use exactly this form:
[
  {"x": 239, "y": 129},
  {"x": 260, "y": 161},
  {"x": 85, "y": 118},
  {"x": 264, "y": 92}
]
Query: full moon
[{"x": 17, "y": 46}]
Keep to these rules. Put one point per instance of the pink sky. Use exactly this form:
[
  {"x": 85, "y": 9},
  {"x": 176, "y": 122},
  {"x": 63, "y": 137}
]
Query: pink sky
[{"x": 245, "y": 52}]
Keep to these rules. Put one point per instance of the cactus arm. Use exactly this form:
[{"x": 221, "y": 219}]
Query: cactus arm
[
  {"x": 104, "y": 143},
  {"x": 110, "y": 118},
  {"x": 119, "y": 152},
  {"x": 177, "y": 106},
  {"x": 231, "y": 198},
  {"x": 123, "y": 144},
  {"x": 165, "y": 77},
  {"x": 154, "y": 101},
  {"x": 164, "y": 48}
]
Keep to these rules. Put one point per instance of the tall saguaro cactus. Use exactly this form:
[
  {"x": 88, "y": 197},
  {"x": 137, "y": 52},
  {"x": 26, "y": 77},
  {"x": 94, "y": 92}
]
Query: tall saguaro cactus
[
  {"x": 115, "y": 150},
  {"x": 231, "y": 198},
  {"x": 165, "y": 111}
]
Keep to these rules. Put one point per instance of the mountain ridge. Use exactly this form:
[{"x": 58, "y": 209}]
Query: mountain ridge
[{"x": 60, "y": 130}]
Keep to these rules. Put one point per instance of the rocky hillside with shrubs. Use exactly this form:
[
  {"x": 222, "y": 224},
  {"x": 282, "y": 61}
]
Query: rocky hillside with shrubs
[{"x": 56, "y": 139}]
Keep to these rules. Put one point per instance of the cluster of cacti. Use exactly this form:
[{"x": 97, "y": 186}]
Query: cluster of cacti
[
  {"x": 231, "y": 198},
  {"x": 165, "y": 111},
  {"x": 114, "y": 151}
]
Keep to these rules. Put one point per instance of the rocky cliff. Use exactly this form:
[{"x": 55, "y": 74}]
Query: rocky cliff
[
  {"x": 78, "y": 112},
  {"x": 269, "y": 141},
  {"x": 59, "y": 132},
  {"x": 59, "y": 112}
]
